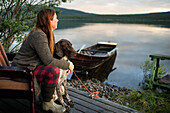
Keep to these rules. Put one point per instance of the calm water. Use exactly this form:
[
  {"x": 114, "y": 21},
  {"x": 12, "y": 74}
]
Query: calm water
[{"x": 135, "y": 43}]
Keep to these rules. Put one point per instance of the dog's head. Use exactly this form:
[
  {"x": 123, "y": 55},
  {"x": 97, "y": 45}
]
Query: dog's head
[{"x": 64, "y": 48}]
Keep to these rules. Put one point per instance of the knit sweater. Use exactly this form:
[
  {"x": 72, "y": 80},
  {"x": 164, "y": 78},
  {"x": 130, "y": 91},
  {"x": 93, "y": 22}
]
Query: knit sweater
[{"x": 35, "y": 51}]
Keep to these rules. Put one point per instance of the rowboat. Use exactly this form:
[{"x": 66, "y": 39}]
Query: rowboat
[{"x": 95, "y": 61}]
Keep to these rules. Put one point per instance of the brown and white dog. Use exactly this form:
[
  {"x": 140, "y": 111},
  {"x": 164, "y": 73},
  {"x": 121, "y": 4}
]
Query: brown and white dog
[{"x": 63, "y": 50}]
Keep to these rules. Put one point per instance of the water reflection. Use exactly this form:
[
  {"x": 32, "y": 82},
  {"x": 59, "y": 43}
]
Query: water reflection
[
  {"x": 135, "y": 43},
  {"x": 65, "y": 25}
]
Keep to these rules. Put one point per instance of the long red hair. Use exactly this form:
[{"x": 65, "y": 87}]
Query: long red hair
[
  {"x": 44, "y": 18},
  {"x": 43, "y": 23}
]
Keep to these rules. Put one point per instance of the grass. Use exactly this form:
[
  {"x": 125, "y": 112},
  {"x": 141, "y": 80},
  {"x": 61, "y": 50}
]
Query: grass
[{"x": 146, "y": 101}]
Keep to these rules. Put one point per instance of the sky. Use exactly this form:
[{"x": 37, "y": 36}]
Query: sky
[{"x": 118, "y": 6}]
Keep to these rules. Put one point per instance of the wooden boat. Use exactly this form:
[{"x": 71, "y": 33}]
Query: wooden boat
[{"x": 96, "y": 61}]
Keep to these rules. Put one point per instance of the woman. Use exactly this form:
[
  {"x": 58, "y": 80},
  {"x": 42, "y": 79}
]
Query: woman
[{"x": 37, "y": 52}]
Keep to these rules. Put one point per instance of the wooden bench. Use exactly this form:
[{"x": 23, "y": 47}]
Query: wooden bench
[
  {"x": 9, "y": 87},
  {"x": 154, "y": 80}
]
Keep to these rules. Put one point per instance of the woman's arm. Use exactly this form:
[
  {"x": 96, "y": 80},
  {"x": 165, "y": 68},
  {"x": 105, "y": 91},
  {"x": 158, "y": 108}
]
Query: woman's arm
[{"x": 40, "y": 45}]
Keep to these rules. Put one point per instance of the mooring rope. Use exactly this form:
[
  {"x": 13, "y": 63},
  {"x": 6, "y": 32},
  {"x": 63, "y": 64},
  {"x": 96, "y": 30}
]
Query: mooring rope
[{"x": 94, "y": 94}]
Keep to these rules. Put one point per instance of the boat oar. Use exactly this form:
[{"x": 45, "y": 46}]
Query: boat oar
[
  {"x": 81, "y": 48},
  {"x": 94, "y": 94}
]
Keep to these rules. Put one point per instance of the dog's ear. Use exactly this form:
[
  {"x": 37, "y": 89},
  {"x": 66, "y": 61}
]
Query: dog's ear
[
  {"x": 69, "y": 51},
  {"x": 58, "y": 50}
]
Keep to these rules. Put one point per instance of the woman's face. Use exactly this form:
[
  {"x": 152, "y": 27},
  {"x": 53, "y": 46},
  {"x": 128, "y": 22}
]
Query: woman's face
[{"x": 54, "y": 22}]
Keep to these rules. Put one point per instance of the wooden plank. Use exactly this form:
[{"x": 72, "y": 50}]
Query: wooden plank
[
  {"x": 3, "y": 108},
  {"x": 21, "y": 107},
  {"x": 26, "y": 103},
  {"x": 83, "y": 109},
  {"x": 74, "y": 110},
  {"x": 162, "y": 57},
  {"x": 159, "y": 84},
  {"x": 104, "y": 104},
  {"x": 12, "y": 104},
  {"x": 13, "y": 85},
  {"x": 1, "y": 111},
  {"x": 96, "y": 103},
  {"x": 18, "y": 106},
  {"x": 89, "y": 106}
]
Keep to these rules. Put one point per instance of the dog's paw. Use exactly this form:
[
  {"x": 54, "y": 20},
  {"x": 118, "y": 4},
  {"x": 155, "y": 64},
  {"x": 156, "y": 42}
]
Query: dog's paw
[
  {"x": 71, "y": 103},
  {"x": 67, "y": 108}
]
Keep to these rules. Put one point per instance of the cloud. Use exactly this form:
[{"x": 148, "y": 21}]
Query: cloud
[{"x": 119, "y": 6}]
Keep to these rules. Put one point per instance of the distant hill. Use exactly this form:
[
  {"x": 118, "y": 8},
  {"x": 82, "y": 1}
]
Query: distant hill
[
  {"x": 71, "y": 12},
  {"x": 77, "y": 12},
  {"x": 71, "y": 16},
  {"x": 161, "y": 13}
]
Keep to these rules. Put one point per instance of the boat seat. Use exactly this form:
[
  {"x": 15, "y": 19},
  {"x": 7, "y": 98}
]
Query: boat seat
[
  {"x": 9, "y": 87},
  {"x": 93, "y": 52}
]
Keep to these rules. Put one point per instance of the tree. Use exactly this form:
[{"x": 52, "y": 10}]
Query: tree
[{"x": 18, "y": 16}]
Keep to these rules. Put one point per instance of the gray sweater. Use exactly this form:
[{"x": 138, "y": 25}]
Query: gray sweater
[{"x": 35, "y": 51}]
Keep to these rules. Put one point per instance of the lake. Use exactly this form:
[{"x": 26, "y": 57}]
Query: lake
[{"x": 135, "y": 43}]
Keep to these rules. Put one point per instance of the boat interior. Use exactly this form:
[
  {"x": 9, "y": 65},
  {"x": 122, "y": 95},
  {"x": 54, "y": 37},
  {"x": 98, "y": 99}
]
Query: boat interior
[{"x": 100, "y": 49}]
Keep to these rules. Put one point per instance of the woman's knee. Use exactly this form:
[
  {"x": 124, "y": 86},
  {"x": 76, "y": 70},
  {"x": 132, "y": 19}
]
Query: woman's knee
[
  {"x": 50, "y": 75},
  {"x": 53, "y": 72}
]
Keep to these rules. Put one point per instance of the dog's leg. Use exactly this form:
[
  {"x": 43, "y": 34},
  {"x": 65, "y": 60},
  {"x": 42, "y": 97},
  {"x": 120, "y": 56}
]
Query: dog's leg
[
  {"x": 60, "y": 98},
  {"x": 70, "y": 102}
]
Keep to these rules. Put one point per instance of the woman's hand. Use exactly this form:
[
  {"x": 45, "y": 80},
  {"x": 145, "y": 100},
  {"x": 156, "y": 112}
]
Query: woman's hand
[{"x": 70, "y": 69}]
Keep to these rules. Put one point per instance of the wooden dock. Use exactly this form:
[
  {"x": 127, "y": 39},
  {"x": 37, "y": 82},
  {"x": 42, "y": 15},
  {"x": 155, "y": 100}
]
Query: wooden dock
[{"x": 83, "y": 104}]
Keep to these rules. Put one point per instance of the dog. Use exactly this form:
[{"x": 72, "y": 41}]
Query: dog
[{"x": 63, "y": 50}]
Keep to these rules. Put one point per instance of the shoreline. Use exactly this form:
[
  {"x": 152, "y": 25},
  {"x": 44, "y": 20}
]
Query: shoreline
[
  {"x": 106, "y": 91},
  {"x": 146, "y": 100}
]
